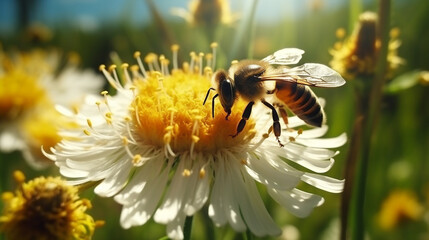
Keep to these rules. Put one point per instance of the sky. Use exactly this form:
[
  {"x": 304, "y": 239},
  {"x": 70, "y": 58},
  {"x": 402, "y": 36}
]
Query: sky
[{"x": 90, "y": 14}]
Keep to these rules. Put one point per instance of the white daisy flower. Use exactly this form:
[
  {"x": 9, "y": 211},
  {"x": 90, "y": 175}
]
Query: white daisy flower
[
  {"x": 157, "y": 150},
  {"x": 30, "y": 88}
]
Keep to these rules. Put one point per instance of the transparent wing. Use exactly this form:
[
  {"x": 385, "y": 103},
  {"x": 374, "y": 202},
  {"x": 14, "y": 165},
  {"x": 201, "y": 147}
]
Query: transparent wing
[
  {"x": 311, "y": 74},
  {"x": 285, "y": 56}
]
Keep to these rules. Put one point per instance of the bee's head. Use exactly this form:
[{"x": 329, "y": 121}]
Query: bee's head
[{"x": 225, "y": 90}]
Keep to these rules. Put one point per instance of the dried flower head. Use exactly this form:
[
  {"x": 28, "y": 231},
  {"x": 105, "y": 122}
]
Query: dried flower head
[{"x": 356, "y": 56}]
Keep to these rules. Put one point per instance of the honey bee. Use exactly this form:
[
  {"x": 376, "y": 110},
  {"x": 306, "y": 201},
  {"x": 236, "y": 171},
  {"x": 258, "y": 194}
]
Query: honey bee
[{"x": 249, "y": 80}]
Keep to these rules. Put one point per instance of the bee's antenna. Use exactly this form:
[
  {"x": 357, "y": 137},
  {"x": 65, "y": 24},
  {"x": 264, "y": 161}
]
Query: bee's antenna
[{"x": 213, "y": 99}]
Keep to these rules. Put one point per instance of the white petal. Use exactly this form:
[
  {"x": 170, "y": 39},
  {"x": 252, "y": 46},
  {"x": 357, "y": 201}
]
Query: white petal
[
  {"x": 251, "y": 205},
  {"x": 323, "y": 182},
  {"x": 141, "y": 208},
  {"x": 299, "y": 203},
  {"x": 173, "y": 200},
  {"x": 142, "y": 176},
  {"x": 325, "y": 142},
  {"x": 201, "y": 191},
  {"x": 267, "y": 174},
  {"x": 175, "y": 227},
  {"x": 223, "y": 205},
  {"x": 115, "y": 182},
  {"x": 10, "y": 139}
]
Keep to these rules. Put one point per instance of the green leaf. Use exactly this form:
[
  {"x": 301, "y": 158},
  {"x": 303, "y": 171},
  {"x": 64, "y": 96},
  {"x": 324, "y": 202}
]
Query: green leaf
[{"x": 403, "y": 82}]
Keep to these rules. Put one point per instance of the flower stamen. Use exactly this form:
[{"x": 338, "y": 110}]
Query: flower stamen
[
  {"x": 127, "y": 78},
  {"x": 140, "y": 63},
  {"x": 175, "y": 50},
  {"x": 214, "y": 46}
]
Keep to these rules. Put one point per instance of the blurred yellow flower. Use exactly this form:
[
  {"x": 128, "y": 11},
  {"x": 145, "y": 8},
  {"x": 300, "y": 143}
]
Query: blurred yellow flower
[
  {"x": 207, "y": 13},
  {"x": 45, "y": 208},
  {"x": 356, "y": 56},
  {"x": 400, "y": 206},
  {"x": 30, "y": 87}
]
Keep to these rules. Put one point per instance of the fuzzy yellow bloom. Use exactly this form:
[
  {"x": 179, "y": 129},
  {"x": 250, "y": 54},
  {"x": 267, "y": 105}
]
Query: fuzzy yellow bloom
[
  {"x": 400, "y": 206},
  {"x": 45, "y": 208},
  {"x": 207, "y": 13}
]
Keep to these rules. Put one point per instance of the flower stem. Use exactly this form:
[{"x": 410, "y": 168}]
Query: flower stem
[
  {"x": 371, "y": 118},
  {"x": 187, "y": 229}
]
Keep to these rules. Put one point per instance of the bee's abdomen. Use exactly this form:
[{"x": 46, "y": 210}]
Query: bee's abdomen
[{"x": 302, "y": 102}]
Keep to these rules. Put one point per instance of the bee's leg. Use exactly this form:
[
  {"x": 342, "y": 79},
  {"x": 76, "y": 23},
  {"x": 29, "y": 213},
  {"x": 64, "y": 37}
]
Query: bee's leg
[
  {"x": 244, "y": 118},
  {"x": 276, "y": 124},
  {"x": 283, "y": 114},
  {"x": 213, "y": 104}
]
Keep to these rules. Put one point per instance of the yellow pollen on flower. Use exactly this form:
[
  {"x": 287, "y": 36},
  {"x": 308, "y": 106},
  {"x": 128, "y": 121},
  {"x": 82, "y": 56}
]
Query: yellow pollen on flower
[
  {"x": 202, "y": 173},
  {"x": 86, "y": 132},
  {"x": 175, "y": 47},
  {"x": 127, "y": 118},
  {"x": 112, "y": 68},
  {"x": 195, "y": 139},
  {"x": 190, "y": 127},
  {"x": 104, "y": 93},
  {"x": 99, "y": 223},
  {"x": 19, "y": 177},
  {"x": 102, "y": 67},
  {"x": 292, "y": 139},
  {"x": 7, "y": 196},
  {"x": 243, "y": 162},
  {"x": 340, "y": 33},
  {"x": 124, "y": 141},
  {"x": 89, "y": 122},
  {"x": 136, "y": 159},
  {"x": 186, "y": 173},
  {"x": 46, "y": 208}
]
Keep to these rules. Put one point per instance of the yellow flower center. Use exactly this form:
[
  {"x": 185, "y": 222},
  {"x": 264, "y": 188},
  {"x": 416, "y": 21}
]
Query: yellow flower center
[
  {"x": 169, "y": 110},
  {"x": 46, "y": 208},
  {"x": 18, "y": 93},
  {"x": 41, "y": 129}
]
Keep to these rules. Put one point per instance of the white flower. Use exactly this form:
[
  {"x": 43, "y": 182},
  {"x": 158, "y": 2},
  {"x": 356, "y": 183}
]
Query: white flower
[
  {"x": 157, "y": 150},
  {"x": 29, "y": 89}
]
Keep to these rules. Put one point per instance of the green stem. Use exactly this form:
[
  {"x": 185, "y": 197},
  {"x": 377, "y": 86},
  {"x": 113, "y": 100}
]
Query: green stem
[
  {"x": 372, "y": 118},
  {"x": 249, "y": 235},
  {"x": 187, "y": 229},
  {"x": 245, "y": 33},
  {"x": 355, "y": 10}
]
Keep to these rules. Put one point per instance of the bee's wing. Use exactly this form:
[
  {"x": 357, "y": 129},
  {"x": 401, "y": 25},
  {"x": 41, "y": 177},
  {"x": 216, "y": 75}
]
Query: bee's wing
[
  {"x": 285, "y": 56},
  {"x": 311, "y": 74}
]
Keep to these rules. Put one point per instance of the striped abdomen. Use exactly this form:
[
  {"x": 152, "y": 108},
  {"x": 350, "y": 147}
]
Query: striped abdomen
[{"x": 301, "y": 101}]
